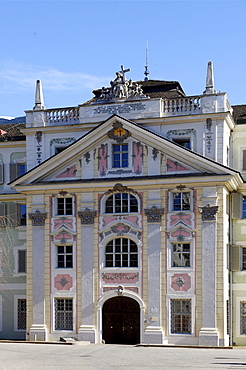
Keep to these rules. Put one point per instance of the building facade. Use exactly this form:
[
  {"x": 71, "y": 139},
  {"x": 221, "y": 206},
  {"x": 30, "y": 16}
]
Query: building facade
[{"x": 126, "y": 215}]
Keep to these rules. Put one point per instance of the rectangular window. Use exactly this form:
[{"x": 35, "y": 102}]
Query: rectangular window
[
  {"x": 120, "y": 155},
  {"x": 22, "y": 215},
  {"x": 243, "y": 258},
  {"x": 180, "y": 316},
  {"x": 180, "y": 254},
  {"x": 64, "y": 206},
  {"x": 65, "y": 256},
  {"x": 242, "y": 318},
  {"x": 16, "y": 170},
  {"x": 244, "y": 208},
  {"x": 183, "y": 142},
  {"x": 181, "y": 201},
  {"x": 21, "y": 319},
  {"x": 21, "y": 261},
  {"x": 63, "y": 314}
]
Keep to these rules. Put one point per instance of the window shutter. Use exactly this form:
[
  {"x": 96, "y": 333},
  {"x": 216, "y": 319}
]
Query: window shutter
[
  {"x": 21, "y": 261},
  {"x": 1, "y": 173},
  {"x": 244, "y": 160},
  {"x": 13, "y": 214},
  {"x": 237, "y": 201},
  {"x": 235, "y": 258},
  {"x": 2, "y": 214},
  {"x": 13, "y": 171}
]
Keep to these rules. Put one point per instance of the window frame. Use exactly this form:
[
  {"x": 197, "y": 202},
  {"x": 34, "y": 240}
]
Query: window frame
[
  {"x": 178, "y": 139},
  {"x": 64, "y": 254},
  {"x": 122, "y": 205},
  {"x": 72, "y": 312},
  {"x": 182, "y": 253},
  {"x": 121, "y": 154},
  {"x": 57, "y": 205},
  {"x": 16, "y": 312},
  {"x": 16, "y": 272},
  {"x": 191, "y": 313},
  {"x": 172, "y": 199},
  {"x": 121, "y": 254}
]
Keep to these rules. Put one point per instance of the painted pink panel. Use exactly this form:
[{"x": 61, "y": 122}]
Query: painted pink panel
[
  {"x": 132, "y": 219},
  {"x": 63, "y": 282},
  {"x": 137, "y": 158},
  {"x": 70, "y": 172},
  {"x": 113, "y": 278},
  {"x": 103, "y": 157},
  {"x": 173, "y": 166},
  {"x": 63, "y": 236},
  {"x": 107, "y": 220},
  {"x": 132, "y": 289},
  {"x": 184, "y": 233},
  {"x": 59, "y": 222},
  {"x": 181, "y": 217},
  {"x": 180, "y": 282}
]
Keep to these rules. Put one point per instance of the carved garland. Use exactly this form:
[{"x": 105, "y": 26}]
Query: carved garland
[{"x": 119, "y": 276}]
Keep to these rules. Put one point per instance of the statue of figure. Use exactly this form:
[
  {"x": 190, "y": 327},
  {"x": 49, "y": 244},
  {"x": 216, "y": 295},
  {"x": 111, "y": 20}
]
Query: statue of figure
[{"x": 121, "y": 88}]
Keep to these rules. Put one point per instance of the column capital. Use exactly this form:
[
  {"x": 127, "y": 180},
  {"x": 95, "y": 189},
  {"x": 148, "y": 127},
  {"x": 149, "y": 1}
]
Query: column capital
[{"x": 208, "y": 212}]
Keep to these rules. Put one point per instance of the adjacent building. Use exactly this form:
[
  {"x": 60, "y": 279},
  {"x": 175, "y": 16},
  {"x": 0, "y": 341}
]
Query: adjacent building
[{"x": 123, "y": 218}]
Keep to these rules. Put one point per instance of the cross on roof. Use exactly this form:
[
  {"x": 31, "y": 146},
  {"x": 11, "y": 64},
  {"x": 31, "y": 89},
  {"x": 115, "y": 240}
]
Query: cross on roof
[{"x": 123, "y": 71}]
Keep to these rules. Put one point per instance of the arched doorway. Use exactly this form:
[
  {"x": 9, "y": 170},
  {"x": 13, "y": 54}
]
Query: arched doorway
[{"x": 121, "y": 321}]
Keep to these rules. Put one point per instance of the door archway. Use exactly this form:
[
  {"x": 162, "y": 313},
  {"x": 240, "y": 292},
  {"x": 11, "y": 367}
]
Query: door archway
[{"x": 121, "y": 321}]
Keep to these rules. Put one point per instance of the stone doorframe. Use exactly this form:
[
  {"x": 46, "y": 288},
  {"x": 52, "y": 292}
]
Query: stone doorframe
[{"x": 113, "y": 294}]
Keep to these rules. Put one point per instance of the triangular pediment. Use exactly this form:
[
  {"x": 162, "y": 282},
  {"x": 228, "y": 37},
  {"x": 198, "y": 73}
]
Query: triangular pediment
[{"x": 100, "y": 154}]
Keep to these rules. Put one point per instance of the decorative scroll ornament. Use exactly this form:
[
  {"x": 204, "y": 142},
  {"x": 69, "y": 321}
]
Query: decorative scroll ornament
[
  {"x": 154, "y": 214},
  {"x": 87, "y": 216},
  {"x": 180, "y": 281},
  {"x": 208, "y": 212},
  {"x": 38, "y": 218},
  {"x": 121, "y": 89},
  {"x": 119, "y": 188},
  {"x": 118, "y": 133},
  {"x": 120, "y": 228}
]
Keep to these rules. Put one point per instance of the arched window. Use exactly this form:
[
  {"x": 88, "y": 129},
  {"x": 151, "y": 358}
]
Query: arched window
[
  {"x": 121, "y": 203},
  {"x": 121, "y": 252}
]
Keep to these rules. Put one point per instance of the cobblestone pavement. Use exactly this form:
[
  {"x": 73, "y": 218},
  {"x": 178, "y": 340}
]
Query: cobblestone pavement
[{"x": 18, "y": 356}]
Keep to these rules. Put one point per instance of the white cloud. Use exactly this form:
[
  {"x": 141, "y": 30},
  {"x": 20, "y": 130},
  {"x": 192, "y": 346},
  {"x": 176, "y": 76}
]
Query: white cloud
[{"x": 17, "y": 78}]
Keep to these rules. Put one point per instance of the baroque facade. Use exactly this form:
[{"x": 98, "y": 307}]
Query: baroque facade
[{"x": 123, "y": 219}]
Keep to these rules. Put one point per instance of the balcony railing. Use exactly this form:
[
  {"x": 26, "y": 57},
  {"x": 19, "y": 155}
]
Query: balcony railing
[
  {"x": 185, "y": 105},
  {"x": 62, "y": 115}
]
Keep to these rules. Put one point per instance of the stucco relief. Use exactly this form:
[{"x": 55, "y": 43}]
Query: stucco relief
[
  {"x": 120, "y": 277},
  {"x": 174, "y": 166},
  {"x": 63, "y": 282},
  {"x": 180, "y": 282},
  {"x": 63, "y": 237},
  {"x": 63, "y": 222},
  {"x": 68, "y": 172},
  {"x": 103, "y": 159},
  {"x": 137, "y": 158},
  {"x": 135, "y": 221},
  {"x": 132, "y": 289},
  {"x": 174, "y": 219}
]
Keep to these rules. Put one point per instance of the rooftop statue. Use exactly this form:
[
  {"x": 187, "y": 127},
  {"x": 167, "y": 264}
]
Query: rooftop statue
[{"x": 121, "y": 88}]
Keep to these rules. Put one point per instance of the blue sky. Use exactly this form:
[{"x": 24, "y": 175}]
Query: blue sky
[{"x": 77, "y": 46}]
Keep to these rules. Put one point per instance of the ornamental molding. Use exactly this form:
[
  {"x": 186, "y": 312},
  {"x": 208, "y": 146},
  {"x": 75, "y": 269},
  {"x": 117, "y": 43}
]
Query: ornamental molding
[
  {"x": 154, "y": 214},
  {"x": 121, "y": 276},
  {"x": 118, "y": 133},
  {"x": 87, "y": 216},
  {"x": 184, "y": 132},
  {"x": 119, "y": 188},
  {"x": 120, "y": 229},
  {"x": 208, "y": 212},
  {"x": 38, "y": 218}
]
